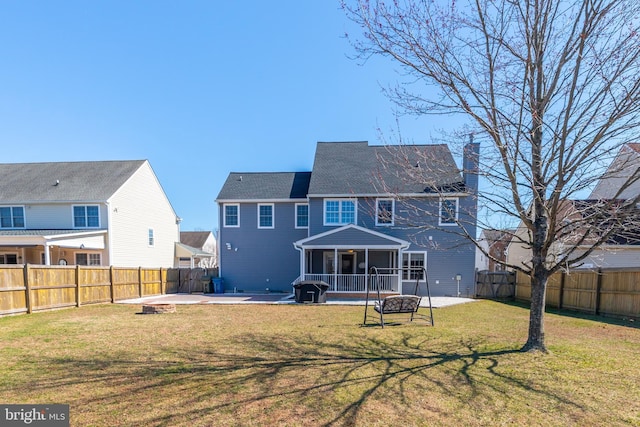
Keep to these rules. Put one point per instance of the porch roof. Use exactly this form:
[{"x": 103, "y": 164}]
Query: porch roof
[
  {"x": 89, "y": 239},
  {"x": 351, "y": 237}
]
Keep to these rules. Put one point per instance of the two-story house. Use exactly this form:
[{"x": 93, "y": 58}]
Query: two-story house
[
  {"x": 86, "y": 213},
  {"x": 357, "y": 208}
]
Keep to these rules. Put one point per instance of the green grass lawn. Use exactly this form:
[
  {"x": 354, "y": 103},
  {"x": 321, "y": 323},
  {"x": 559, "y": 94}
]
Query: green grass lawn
[{"x": 314, "y": 365}]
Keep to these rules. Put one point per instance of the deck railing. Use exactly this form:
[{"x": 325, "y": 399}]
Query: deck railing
[{"x": 353, "y": 282}]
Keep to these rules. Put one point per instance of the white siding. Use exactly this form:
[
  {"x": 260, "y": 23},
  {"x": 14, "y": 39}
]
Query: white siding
[
  {"x": 56, "y": 216},
  {"x": 613, "y": 257},
  {"x": 141, "y": 204}
]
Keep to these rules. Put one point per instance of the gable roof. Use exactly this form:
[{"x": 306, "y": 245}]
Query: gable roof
[
  {"x": 265, "y": 186},
  {"x": 361, "y": 169},
  {"x": 194, "y": 239},
  {"x": 64, "y": 181},
  {"x": 353, "y": 237}
]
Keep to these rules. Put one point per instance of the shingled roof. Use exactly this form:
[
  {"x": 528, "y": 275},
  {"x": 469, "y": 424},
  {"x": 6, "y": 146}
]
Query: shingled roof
[
  {"x": 358, "y": 168},
  {"x": 64, "y": 181},
  {"x": 265, "y": 186}
]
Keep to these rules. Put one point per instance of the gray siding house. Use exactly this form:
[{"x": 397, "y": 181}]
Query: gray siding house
[{"x": 391, "y": 207}]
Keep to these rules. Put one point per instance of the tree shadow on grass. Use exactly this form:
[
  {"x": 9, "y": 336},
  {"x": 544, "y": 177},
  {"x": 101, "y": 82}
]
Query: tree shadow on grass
[{"x": 260, "y": 370}]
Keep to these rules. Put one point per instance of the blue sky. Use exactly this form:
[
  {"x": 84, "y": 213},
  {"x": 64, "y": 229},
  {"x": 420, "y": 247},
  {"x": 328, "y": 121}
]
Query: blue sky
[{"x": 199, "y": 88}]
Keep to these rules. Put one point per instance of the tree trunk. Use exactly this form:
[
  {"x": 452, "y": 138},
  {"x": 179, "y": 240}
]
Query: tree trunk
[{"x": 535, "y": 342}]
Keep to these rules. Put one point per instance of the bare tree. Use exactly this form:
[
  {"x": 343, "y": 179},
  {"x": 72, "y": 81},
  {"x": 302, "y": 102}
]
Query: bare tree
[{"x": 551, "y": 90}]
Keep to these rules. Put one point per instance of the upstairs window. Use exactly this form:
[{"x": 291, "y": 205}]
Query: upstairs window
[
  {"x": 339, "y": 212},
  {"x": 11, "y": 217},
  {"x": 86, "y": 216},
  {"x": 265, "y": 216},
  {"x": 151, "y": 238},
  {"x": 384, "y": 212},
  {"x": 302, "y": 216},
  {"x": 448, "y": 211},
  {"x": 232, "y": 215}
]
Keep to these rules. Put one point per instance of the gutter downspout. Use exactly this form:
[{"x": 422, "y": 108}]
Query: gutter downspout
[{"x": 109, "y": 233}]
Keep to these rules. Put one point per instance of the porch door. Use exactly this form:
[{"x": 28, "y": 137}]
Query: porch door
[{"x": 347, "y": 263}]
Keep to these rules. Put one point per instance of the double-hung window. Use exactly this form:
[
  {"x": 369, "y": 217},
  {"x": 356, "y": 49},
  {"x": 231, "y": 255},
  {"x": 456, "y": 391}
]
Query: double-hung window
[
  {"x": 265, "y": 215},
  {"x": 302, "y": 215},
  {"x": 11, "y": 217},
  {"x": 448, "y": 211},
  {"x": 86, "y": 216},
  {"x": 88, "y": 259},
  {"x": 339, "y": 211},
  {"x": 232, "y": 215},
  {"x": 412, "y": 264},
  {"x": 384, "y": 212}
]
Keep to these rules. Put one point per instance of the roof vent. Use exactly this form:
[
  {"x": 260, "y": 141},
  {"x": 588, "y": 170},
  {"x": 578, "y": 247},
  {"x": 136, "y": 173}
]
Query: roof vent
[{"x": 57, "y": 183}]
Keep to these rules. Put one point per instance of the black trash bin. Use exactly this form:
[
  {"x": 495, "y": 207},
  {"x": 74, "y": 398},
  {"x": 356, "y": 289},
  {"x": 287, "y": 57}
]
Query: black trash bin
[{"x": 314, "y": 291}]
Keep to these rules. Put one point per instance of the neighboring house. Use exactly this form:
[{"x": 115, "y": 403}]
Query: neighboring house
[
  {"x": 86, "y": 213},
  {"x": 623, "y": 176},
  {"x": 335, "y": 222},
  {"x": 495, "y": 243},
  {"x": 196, "y": 249}
]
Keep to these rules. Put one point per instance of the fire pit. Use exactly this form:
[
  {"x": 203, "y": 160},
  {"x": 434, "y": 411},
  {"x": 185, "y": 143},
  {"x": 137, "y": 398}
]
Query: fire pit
[{"x": 158, "y": 308}]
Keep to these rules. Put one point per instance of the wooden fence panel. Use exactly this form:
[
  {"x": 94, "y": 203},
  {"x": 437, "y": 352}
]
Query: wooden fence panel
[
  {"x": 613, "y": 292},
  {"x": 12, "y": 290},
  {"x": 172, "y": 281},
  {"x": 126, "y": 283},
  {"x": 554, "y": 290},
  {"x": 620, "y": 293},
  {"x": 51, "y": 287},
  {"x": 94, "y": 285},
  {"x": 580, "y": 290},
  {"x": 151, "y": 282}
]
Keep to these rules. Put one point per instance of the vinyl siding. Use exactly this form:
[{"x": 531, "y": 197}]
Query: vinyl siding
[
  {"x": 141, "y": 204},
  {"x": 57, "y": 216},
  {"x": 260, "y": 258},
  {"x": 447, "y": 254}
]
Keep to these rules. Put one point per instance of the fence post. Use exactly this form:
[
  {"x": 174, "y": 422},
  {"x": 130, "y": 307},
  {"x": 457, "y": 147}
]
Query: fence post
[
  {"x": 163, "y": 284},
  {"x": 561, "y": 296},
  {"x": 77, "y": 286},
  {"x": 596, "y": 309},
  {"x": 27, "y": 288},
  {"x": 113, "y": 293},
  {"x": 140, "y": 281}
]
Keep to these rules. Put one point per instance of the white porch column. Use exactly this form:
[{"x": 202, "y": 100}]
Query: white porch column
[
  {"x": 400, "y": 272},
  {"x": 366, "y": 269},
  {"x": 47, "y": 254},
  {"x": 335, "y": 269}
]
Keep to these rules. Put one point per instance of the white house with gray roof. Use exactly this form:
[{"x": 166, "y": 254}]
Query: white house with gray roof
[
  {"x": 86, "y": 213},
  {"x": 357, "y": 208}
]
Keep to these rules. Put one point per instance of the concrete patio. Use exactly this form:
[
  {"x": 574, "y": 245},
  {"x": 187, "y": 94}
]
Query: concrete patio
[{"x": 242, "y": 298}]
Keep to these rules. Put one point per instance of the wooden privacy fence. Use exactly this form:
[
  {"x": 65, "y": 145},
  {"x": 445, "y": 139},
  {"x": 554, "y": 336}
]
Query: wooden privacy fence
[
  {"x": 32, "y": 288},
  {"x": 609, "y": 292},
  {"x": 495, "y": 284}
]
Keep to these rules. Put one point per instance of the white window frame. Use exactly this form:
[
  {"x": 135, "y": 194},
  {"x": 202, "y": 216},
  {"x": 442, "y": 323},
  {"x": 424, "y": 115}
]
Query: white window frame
[
  {"x": 340, "y": 211},
  {"x": 409, "y": 253},
  {"x": 151, "y": 238},
  {"x": 13, "y": 225},
  {"x": 455, "y": 221},
  {"x": 302, "y": 226},
  {"x": 273, "y": 215},
  {"x": 393, "y": 209},
  {"x": 86, "y": 217},
  {"x": 89, "y": 256},
  {"x": 224, "y": 215}
]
